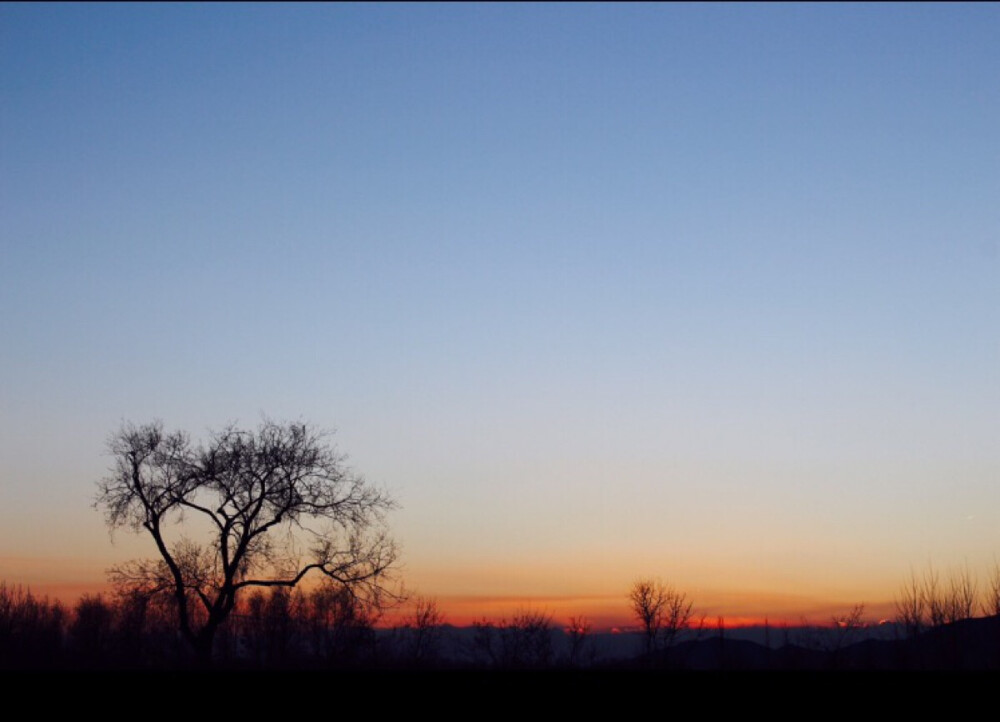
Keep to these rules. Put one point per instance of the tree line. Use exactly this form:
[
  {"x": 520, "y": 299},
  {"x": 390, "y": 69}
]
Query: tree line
[
  {"x": 327, "y": 627},
  {"x": 297, "y": 568}
]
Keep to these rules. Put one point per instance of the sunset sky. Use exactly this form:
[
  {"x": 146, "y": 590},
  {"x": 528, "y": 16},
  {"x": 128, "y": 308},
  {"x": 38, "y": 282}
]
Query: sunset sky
[{"x": 708, "y": 293}]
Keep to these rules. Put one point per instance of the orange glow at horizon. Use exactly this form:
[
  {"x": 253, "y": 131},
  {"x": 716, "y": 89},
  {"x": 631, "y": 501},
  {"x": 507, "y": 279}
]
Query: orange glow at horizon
[
  {"x": 612, "y": 612},
  {"x": 66, "y": 580}
]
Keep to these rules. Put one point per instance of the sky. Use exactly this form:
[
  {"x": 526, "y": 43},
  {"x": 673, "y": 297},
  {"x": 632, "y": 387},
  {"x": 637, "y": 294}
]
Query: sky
[{"x": 705, "y": 293}]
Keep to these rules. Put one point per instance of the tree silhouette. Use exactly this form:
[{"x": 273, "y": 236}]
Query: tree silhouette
[
  {"x": 991, "y": 599},
  {"x": 421, "y": 632},
  {"x": 927, "y": 603},
  {"x": 92, "y": 629},
  {"x": 662, "y": 612},
  {"x": 578, "y": 631},
  {"x": 522, "y": 642},
  {"x": 341, "y": 624},
  {"x": 278, "y": 504},
  {"x": 31, "y": 629},
  {"x": 911, "y": 606}
]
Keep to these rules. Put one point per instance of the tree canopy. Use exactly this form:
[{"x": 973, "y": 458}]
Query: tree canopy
[{"x": 278, "y": 503}]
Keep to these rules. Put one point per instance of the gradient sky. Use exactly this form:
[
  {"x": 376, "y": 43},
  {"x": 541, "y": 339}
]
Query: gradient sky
[{"x": 709, "y": 293}]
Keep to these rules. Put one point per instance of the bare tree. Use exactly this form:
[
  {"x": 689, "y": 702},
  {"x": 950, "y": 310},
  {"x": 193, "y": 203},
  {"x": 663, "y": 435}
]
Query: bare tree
[
  {"x": 267, "y": 624},
  {"x": 278, "y": 503},
  {"x": 524, "y": 641},
  {"x": 92, "y": 630},
  {"x": 662, "y": 612},
  {"x": 341, "y": 624},
  {"x": 846, "y": 631},
  {"x": 911, "y": 606},
  {"x": 647, "y": 604},
  {"x": 926, "y": 602},
  {"x": 961, "y": 596},
  {"x": 935, "y": 598},
  {"x": 578, "y": 631},
  {"x": 31, "y": 629},
  {"x": 421, "y": 632},
  {"x": 991, "y": 600}
]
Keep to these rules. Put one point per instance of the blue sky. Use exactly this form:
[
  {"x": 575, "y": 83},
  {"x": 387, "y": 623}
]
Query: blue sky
[{"x": 710, "y": 292}]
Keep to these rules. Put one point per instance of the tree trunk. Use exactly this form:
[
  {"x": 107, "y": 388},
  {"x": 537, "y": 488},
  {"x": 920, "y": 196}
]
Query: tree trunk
[{"x": 203, "y": 645}]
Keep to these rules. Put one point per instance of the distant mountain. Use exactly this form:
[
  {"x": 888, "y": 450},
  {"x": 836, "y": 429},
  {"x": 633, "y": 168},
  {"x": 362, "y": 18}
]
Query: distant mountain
[{"x": 972, "y": 644}]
